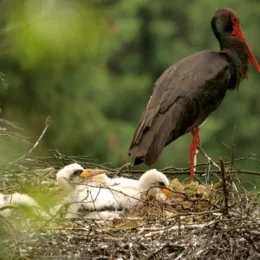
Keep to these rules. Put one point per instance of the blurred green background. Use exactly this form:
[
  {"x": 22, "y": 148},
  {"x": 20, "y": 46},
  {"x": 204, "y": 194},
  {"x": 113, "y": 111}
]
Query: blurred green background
[{"x": 91, "y": 65}]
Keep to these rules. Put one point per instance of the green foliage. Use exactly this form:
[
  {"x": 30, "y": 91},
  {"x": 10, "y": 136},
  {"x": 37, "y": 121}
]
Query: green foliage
[{"x": 91, "y": 65}]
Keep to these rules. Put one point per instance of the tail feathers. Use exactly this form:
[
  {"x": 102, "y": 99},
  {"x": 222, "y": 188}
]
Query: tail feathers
[
  {"x": 164, "y": 132},
  {"x": 139, "y": 149},
  {"x": 138, "y": 160},
  {"x": 145, "y": 124},
  {"x": 153, "y": 141}
]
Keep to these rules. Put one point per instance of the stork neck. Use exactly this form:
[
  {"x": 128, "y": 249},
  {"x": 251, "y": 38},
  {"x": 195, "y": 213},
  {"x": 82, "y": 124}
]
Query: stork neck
[
  {"x": 65, "y": 184},
  {"x": 236, "y": 50}
]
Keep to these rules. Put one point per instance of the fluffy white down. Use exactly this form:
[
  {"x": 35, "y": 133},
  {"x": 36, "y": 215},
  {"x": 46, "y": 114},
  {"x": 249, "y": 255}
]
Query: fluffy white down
[
  {"x": 16, "y": 199},
  {"x": 101, "y": 180},
  {"x": 64, "y": 175},
  {"x": 152, "y": 178},
  {"x": 103, "y": 192}
]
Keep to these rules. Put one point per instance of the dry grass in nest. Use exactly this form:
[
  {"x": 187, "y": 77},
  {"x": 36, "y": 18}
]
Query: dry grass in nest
[
  {"x": 184, "y": 197},
  {"x": 192, "y": 196},
  {"x": 149, "y": 208}
]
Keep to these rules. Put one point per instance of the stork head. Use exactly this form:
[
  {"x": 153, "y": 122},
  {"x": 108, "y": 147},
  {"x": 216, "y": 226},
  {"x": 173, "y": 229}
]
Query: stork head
[
  {"x": 154, "y": 178},
  {"x": 69, "y": 176}
]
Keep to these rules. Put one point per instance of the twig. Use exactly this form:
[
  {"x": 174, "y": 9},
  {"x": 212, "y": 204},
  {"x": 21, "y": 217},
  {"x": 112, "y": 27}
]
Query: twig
[
  {"x": 47, "y": 124},
  {"x": 153, "y": 255},
  {"x": 233, "y": 147},
  {"x": 251, "y": 242},
  {"x": 7, "y": 207},
  {"x": 208, "y": 158},
  {"x": 127, "y": 166},
  {"x": 224, "y": 184},
  {"x": 185, "y": 171},
  {"x": 206, "y": 163}
]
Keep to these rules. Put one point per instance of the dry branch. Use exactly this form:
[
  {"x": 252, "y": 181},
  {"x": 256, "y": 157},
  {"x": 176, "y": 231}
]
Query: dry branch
[
  {"x": 224, "y": 185},
  {"x": 47, "y": 124}
]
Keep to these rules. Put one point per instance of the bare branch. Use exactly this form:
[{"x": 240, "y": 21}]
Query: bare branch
[{"x": 224, "y": 185}]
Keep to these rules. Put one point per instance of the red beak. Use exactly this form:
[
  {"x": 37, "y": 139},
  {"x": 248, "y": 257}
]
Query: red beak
[{"x": 238, "y": 33}]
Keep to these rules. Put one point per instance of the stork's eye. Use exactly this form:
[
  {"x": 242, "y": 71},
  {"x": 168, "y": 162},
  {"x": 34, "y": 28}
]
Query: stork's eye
[
  {"x": 234, "y": 20},
  {"x": 77, "y": 172},
  {"x": 161, "y": 183}
]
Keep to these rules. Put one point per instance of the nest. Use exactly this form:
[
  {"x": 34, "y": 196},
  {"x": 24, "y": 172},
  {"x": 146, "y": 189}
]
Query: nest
[{"x": 197, "y": 222}]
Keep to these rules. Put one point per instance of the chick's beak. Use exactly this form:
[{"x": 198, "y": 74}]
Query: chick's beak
[
  {"x": 85, "y": 174},
  {"x": 88, "y": 173},
  {"x": 166, "y": 191}
]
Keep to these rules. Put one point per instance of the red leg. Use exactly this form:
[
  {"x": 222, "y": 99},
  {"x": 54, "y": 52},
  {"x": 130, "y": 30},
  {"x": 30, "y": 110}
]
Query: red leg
[{"x": 193, "y": 151}]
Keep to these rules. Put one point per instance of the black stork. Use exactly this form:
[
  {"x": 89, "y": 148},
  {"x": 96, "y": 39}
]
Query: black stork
[{"x": 190, "y": 90}]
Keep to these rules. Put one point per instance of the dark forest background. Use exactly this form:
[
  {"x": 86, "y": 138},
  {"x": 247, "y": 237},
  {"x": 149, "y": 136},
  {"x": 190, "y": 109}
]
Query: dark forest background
[{"x": 91, "y": 65}]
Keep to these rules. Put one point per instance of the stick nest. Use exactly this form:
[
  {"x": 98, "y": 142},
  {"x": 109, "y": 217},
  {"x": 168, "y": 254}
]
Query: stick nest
[{"x": 194, "y": 223}]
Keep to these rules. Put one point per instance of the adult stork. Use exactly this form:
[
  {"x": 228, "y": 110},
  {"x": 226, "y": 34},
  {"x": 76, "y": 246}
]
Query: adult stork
[{"x": 190, "y": 90}]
